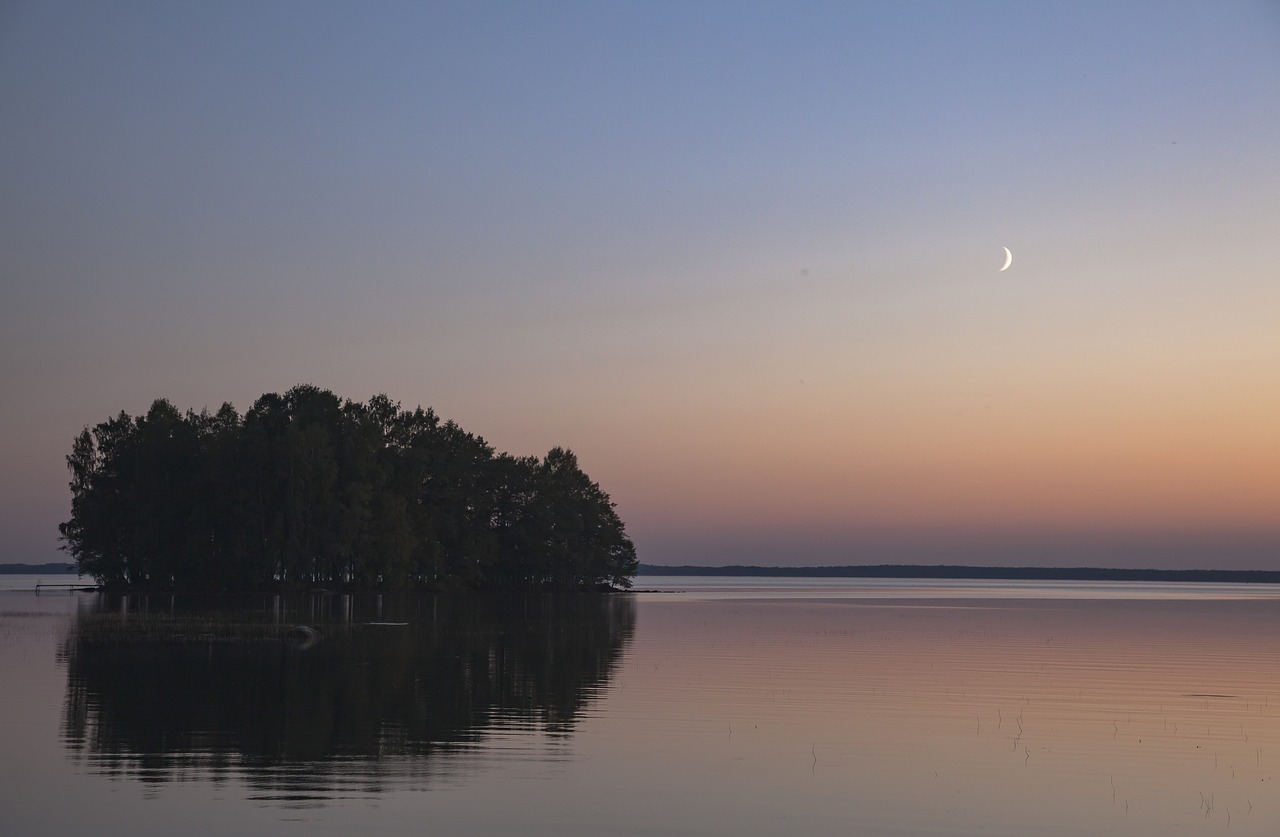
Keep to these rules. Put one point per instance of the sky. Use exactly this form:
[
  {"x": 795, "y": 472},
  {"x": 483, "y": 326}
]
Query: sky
[{"x": 741, "y": 257}]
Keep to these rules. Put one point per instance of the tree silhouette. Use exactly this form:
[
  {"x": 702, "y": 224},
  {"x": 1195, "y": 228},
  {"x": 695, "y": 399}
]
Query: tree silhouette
[{"x": 307, "y": 490}]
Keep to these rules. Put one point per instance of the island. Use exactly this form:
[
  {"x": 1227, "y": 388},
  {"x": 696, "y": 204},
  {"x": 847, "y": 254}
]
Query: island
[{"x": 307, "y": 490}]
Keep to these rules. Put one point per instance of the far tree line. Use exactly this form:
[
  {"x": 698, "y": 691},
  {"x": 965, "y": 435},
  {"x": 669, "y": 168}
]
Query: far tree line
[{"x": 308, "y": 490}]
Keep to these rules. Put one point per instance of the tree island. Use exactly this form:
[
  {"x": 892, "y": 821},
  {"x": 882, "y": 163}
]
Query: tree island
[{"x": 306, "y": 490}]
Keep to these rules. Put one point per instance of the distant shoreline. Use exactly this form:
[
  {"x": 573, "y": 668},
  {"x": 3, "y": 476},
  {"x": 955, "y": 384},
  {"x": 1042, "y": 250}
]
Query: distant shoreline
[
  {"x": 947, "y": 571},
  {"x": 54, "y": 568}
]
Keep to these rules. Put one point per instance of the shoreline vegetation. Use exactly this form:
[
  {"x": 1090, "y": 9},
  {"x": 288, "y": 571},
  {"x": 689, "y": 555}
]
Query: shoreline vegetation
[
  {"x": 949, "y": 571},
  {"x": 307, "y": 491}
]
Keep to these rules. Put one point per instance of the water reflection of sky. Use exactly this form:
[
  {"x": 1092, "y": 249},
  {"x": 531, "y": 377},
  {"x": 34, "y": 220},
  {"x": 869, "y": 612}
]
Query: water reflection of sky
[
  {"x": 1007, "y": 716},
  {"x": 895, "y": 588}
]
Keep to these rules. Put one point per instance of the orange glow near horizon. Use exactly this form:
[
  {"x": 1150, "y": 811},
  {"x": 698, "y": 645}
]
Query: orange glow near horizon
[{"x": 1186, "y": 446}]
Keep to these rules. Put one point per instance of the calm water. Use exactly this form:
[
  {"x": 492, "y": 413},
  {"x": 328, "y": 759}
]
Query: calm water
[
  {"x": 707, "y": 706},
  {"x": 53, "y": 583}
]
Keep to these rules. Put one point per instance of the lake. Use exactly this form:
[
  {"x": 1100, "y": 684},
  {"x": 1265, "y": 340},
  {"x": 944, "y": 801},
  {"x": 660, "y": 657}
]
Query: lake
[{"x": 697, "y": 706}]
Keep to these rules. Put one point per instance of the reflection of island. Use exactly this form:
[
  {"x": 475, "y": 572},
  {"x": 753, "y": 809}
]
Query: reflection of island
[{"x": 162, "y": 692}]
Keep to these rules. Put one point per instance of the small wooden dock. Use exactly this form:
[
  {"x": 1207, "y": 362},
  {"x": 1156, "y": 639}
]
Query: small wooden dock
[{"x": 69, "y": 588}]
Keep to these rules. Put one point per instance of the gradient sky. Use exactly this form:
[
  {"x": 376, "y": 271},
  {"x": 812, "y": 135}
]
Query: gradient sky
[{"x": 741, "y": 257}]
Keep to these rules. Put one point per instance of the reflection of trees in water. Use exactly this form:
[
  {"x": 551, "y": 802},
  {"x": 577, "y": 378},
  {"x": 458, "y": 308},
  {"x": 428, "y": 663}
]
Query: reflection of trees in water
[{"x": 163, "y": 690}]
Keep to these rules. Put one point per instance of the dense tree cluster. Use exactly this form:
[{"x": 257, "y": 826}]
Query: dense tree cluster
[{"x": 308, "y": 490}]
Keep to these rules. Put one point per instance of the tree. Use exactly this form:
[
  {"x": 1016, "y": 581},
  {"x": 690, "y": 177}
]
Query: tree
[{"x": 587, "y": 543}]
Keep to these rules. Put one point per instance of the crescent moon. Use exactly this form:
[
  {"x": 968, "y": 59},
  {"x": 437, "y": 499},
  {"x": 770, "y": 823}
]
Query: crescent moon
[{"x": 1008, "y": 260}]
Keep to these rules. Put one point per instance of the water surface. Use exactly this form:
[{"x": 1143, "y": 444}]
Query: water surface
[{"x": 709, "y": 706}]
